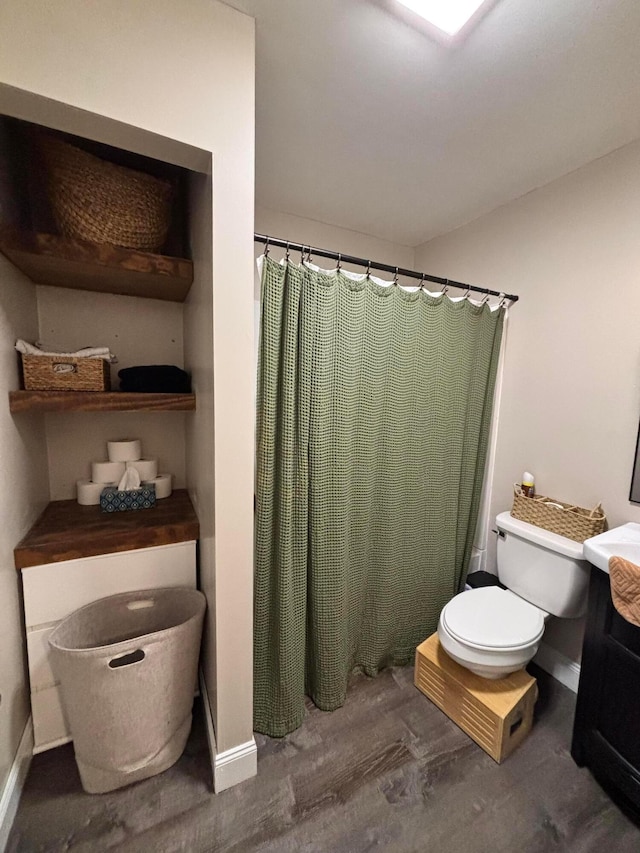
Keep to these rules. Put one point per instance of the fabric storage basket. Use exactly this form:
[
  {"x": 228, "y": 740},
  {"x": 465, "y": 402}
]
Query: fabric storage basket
[
  {"x": 127, "y": 666},
  {"x": 568, "y": 520},
  {"x": 99, "y": 201},
  {"x": 65, "y": 373}
]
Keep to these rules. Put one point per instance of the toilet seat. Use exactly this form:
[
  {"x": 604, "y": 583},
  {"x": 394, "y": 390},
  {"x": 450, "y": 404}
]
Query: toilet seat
[
  {"x": 493, "y": 620},
  {"x": 490, "y": 631}
]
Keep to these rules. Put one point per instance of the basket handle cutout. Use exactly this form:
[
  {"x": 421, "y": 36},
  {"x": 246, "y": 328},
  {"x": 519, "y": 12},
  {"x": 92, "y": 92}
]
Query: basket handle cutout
[
  {"x": 126, "y": 660},
  {"x": 64, "y": 367},
  {"x": 515, "y": 725},
  {"x": 143, "y": 604}
]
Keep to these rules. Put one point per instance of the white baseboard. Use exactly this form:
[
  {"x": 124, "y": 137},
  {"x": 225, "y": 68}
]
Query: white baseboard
[
  {"x": 52, "y": 744},
  {"x": 15, "y": 782},
  {"x": 234, "y": 765},
  {"x": 563, "y": 669},
  {"x": 208, "y": 722}
]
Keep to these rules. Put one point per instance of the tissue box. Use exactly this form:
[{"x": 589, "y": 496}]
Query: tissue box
[{"x": 111, "y": 500}]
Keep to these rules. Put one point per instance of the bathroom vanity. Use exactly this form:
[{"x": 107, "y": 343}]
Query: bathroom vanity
[{"x": 606, "y": 734}]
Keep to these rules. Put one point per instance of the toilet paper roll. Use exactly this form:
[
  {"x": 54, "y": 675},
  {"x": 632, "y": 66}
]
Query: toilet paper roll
[
  {"x": 147, "y": 468},
  {"x": 106, "y": 472},
  {"x": 89, "y": 493},
  {"x": 124, "y": 450},
  {"x": 162, "y": 483}
]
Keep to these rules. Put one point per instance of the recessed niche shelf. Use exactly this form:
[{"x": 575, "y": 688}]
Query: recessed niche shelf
[
  {"x": 79, "y": 265},
  {"x": 98, "y": 401},
  {"x": 68, "y": 531}
]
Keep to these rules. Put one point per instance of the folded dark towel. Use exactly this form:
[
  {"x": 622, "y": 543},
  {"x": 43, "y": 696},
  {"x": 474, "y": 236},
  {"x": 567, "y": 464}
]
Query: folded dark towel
[{"x": 155, "y": 379}]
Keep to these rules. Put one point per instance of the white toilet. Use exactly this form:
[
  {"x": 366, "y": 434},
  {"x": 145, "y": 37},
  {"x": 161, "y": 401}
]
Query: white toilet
[{"x": 494, "y": 631}]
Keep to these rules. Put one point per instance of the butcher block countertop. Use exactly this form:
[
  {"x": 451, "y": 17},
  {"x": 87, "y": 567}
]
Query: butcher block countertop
[{"x": 68, "y": 531}]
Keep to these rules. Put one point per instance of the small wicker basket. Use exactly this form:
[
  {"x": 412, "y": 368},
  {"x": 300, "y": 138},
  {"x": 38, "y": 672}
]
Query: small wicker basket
[
  {"x": 65, "y": 373},
  {"x": 101, "y": 202},
  {"x": 568, "y": 520}
]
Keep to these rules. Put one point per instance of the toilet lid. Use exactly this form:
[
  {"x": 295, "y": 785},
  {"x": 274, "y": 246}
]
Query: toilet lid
[{"x": 493, "y": 618}]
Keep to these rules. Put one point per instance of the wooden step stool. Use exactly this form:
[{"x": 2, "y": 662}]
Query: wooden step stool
[{"x": 496, "y": 714}]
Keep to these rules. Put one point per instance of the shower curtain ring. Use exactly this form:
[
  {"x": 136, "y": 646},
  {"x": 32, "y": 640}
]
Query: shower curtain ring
[
  {"x": 266, "y": 247},
  {"x": 301, "y": 254},
  {"x": 465, "y": 295},
  {"x": 445, "y": 286},
  {"x": 339, "y": 264},
  {"x": 309, "y": 259},
  {"x": 368, "y": 269},
  {"x": 503, "y": 299},
  {"x": 485, "y": 298},
  {"x": 395, "y": 277},
  {"x": 421, "y": 282},
  {"x": 286, "y": 256}
]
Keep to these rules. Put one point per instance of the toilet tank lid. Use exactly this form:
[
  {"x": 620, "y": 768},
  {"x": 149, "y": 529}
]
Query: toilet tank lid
[{"x": 560, "y": 544}]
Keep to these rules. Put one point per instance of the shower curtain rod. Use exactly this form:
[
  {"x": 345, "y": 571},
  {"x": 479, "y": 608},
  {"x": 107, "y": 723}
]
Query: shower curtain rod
[{"x": 374, "y": 265}]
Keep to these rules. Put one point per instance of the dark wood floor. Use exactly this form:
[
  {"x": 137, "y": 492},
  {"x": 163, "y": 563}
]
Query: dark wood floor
[{"x": 388, "y": 772}]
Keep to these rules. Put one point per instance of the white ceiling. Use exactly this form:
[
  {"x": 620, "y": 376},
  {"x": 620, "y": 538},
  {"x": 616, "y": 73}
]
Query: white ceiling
[{"x": 367, "y": 123}]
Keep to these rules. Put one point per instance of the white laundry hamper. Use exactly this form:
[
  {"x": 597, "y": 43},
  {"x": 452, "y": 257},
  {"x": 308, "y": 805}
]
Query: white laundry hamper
[{"x": 127, "y": 665}]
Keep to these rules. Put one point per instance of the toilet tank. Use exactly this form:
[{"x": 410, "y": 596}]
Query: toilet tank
[{"x": 542, "y": 567}]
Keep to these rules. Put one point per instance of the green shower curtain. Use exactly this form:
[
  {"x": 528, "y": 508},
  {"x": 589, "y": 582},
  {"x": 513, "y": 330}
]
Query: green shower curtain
[{"x": 374, "y": 407}]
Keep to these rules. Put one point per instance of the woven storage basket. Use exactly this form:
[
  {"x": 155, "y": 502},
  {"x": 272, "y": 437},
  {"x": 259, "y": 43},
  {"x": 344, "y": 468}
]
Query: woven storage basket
[
  {"x": 574, "y": 522},
  {"x": 98, "y": 201},
  {"x": 65, "y": 373}
]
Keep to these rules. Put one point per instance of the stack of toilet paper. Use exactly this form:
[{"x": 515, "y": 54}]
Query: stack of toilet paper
[{"x": 124, "y": 453}]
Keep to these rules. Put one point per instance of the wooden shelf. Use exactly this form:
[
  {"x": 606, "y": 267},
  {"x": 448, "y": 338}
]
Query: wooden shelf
[
  {"x": 68, "y": 531},
  {"x": 98, "y": 401},
  {"x": 76, "y": 264}
]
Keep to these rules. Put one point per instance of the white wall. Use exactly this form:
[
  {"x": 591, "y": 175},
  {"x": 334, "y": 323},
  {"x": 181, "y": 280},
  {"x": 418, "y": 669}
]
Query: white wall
[
  {"x": 185, "y": 73},
  {"x": 571, "y": 398},
  {"x": 23, "y": 495}
]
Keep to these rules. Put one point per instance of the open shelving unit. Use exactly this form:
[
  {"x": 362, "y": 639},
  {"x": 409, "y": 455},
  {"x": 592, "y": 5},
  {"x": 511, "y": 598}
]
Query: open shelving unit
[
  {"x": 62, "y": 262},
  {"x": 78, "y": 265},
  {"x": 68, "y": 531},
  {"x": 208, "y": 333},
  {"x": 98, "y": 401},
  {"x": 29, "y": 239}
]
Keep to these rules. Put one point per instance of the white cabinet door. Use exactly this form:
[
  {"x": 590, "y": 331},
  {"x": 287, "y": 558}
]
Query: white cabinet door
[
  {"x": 40, "y": 673},
  {"x": 49, "y": 724},
  {"x": 54, "y": 590}
]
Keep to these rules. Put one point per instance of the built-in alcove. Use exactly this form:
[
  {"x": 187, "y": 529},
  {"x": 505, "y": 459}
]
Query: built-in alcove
[
  {"x": 26, "y": 203},
  {"x": 182, "y": 95},
  {"x": 98, "y": 295}
]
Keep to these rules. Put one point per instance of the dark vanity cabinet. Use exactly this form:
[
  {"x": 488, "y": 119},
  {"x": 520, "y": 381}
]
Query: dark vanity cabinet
[{"x": 606, "y": 733}]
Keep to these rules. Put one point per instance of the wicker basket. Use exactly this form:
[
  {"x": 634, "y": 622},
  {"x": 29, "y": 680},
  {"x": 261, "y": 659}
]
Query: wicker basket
[
  {"x": 574, "y": 522},
  {"x": 65, "y": 373},
  {"x": 98, "y": 201}
]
